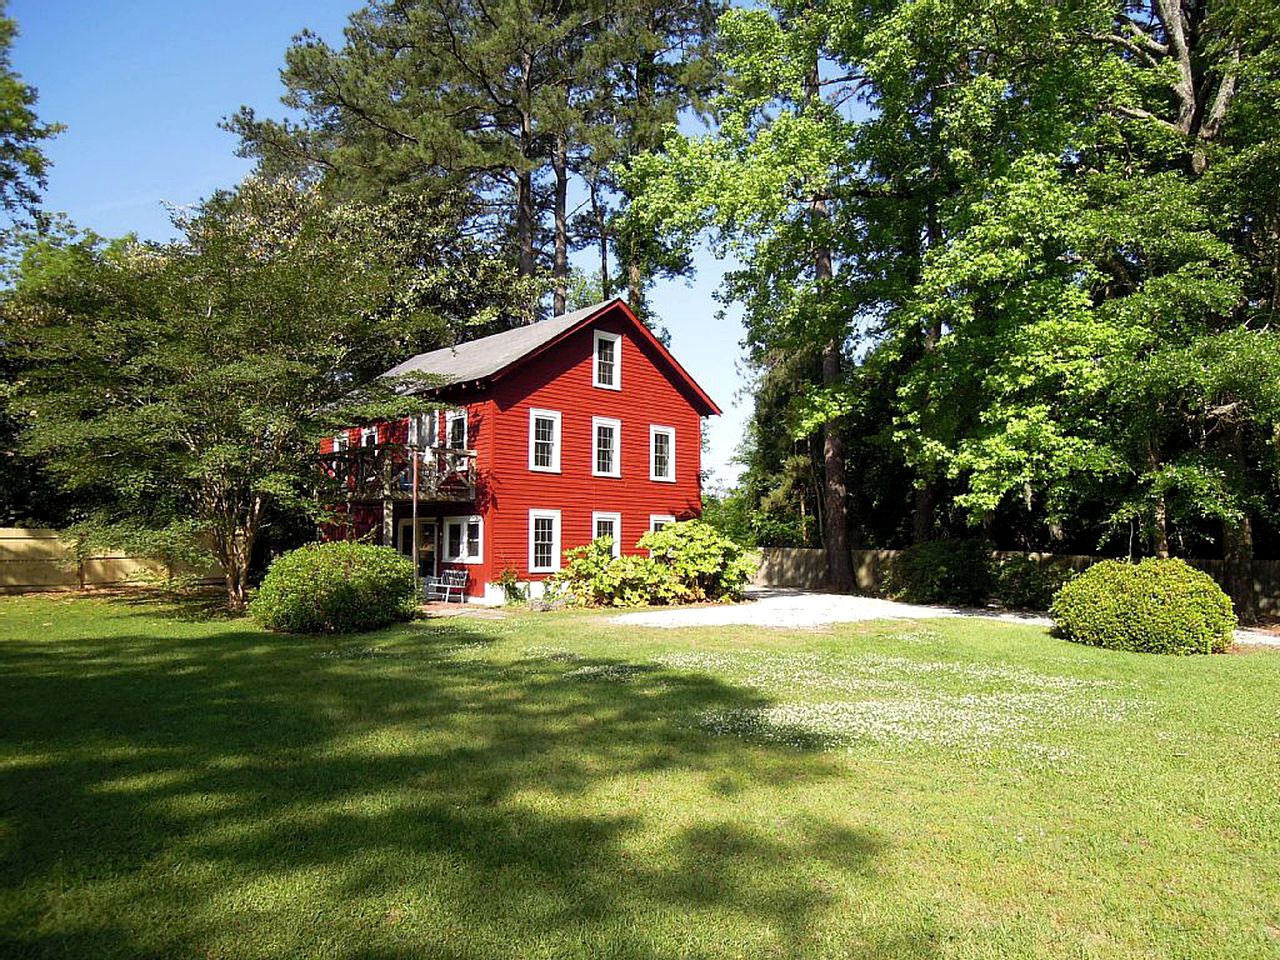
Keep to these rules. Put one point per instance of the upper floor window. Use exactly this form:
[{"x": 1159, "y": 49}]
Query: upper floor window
[
  {"x": 606, "y": 442},
  {"x": 341, "y": 442},
  {"x": 662, "y": 453},
  {"x": 544, "y": 440},
  {"x": 368, "y": 436},
  {"x": 455, "y": 427},
  {"x": 606, "y": 361},
  {"x": 463, "y": 540},
  {"x": 422, "y": 430}
]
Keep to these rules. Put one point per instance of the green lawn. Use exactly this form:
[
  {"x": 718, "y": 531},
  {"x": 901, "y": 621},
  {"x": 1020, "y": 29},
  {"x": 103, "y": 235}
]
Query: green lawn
[{"x": 553, "y": 786}]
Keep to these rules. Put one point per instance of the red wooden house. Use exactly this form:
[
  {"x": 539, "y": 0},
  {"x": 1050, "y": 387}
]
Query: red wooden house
[{"x": 550, "y": 435}]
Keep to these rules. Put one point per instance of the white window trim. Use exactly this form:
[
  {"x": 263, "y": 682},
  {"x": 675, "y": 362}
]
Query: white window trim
[
  {"x": 596, "y": 423},
  {"x": 366, "y": 433},
  {"x": 341, "y": 442},
  {"x": 554, "y": 516},
  {"x": 670, "y": 432},
  {"x": 660, "y": 518},
  {"x": 553, "y": 415},
  {"x": 464, "y": 557},
  {"x": 617, "y": 528},
  {"x": 616, "y": 338}
]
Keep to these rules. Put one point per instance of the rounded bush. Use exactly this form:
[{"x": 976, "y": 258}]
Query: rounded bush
[
  {"x": 1156, "y": 606},
  {"x": 337, "y": 587},
  {"x": 942, "y": 571},
  {"x": 1022, "y": 583}
]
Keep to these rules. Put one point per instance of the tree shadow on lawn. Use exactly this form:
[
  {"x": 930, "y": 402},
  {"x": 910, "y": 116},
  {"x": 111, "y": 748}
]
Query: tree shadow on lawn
[{"x": 242, "y": 794}]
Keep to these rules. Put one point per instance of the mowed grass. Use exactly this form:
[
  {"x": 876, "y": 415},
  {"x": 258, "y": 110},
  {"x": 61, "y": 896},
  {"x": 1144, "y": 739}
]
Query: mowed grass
[{"x": 551, "y": 785}]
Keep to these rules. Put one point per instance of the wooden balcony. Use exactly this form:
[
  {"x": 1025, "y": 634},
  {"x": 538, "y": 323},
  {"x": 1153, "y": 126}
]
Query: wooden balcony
[{"x": 385, "y": 472}]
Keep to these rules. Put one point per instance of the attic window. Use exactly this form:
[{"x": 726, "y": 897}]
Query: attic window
[{"x": 606, "y": 361}]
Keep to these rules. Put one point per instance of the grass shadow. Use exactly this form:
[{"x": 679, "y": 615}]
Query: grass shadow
[{"x": 225, "y": 792}]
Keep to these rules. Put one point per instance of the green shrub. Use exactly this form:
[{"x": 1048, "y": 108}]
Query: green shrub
[
  {"x": 336, "y": 587},
  {"x": 687, "y": 562},
  {"x": 1025, "y": 584},
  {"x": 1156, "y": 606},
  {"x": 706, "y": 563},
  {"x": 593, "y": 577},
  {"x": 942, "y": 571}
]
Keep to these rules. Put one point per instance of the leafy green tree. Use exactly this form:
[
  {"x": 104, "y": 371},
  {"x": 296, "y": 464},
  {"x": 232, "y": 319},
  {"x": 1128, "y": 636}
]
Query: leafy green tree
[{"x": 187, "y": 384}]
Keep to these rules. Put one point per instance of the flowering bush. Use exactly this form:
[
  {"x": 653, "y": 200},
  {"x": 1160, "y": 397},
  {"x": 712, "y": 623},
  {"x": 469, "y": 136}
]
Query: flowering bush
[
  {"x": 706, "y": 563},
  {"x": 689, "y": 561}
]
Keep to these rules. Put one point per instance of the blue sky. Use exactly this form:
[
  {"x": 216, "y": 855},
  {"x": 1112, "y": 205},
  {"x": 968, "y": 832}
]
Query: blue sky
[{"x": 141, "y": 86}]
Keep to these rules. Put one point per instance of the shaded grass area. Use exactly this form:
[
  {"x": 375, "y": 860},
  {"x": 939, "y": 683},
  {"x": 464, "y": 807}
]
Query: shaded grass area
[{"x": 555, "y": 786}]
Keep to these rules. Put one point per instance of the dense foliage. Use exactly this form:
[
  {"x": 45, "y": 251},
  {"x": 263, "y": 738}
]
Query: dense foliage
[
  {"x": 942, "y": 571},
  {"x": 1027, "y": 284},
  {"x": 338, "y": 587},
  {"x": 162, "y": 384},
  {"x": 688, "y": 562},
  {"x": 1156, "y": 606},
  {"x": 1023, "y": 583}
]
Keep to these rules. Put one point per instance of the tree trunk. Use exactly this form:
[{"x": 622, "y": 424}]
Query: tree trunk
[
  {"x": 1237, "y": 539},
  {"x": 835, "y": 498},
  {"x": 560, "y": 264},
  {"x": 1237, "y": 551},
  {"x": 525, "y": 219},
  {"x": 922, "y": 527},
  {"x": 635, "y": 283},
  {"x": 1160, "y": 516},
  {"x": 1160, "y": 508},
  {"x": 233, "y": 544},
  {"x": 835, "y": 514}
]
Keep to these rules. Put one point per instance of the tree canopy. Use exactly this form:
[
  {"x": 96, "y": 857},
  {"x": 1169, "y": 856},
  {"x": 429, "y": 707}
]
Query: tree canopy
[{"x": 183, "y": 387}]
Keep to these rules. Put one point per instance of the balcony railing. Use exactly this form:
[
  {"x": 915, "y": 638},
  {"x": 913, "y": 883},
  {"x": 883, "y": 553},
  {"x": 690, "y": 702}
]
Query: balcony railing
[{"x": 385, "y": 472}]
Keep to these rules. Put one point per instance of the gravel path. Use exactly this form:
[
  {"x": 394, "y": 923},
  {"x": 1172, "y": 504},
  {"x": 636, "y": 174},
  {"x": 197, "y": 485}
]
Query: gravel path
[{"x": 779, "y": 607}]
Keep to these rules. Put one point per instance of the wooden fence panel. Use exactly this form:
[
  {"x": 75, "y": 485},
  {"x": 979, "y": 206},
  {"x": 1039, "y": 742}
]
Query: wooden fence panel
[
  {"x": 806, "y": 569},
  {"x": 35, "y": 560}
]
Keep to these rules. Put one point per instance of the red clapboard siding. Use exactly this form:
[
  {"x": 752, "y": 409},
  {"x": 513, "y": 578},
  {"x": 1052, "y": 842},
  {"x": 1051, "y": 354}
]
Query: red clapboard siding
[{"x": 561, "y": 379}]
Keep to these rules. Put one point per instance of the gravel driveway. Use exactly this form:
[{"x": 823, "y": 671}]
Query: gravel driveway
[{"x": 783, "y": 607}]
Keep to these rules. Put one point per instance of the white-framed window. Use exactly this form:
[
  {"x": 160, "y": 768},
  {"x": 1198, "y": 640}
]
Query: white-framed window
[
  {"x": 341, "y": 442},
  {"x": 606, "y": 360},
  {"x": 368, "y": 436},
  {"x": 455, "y": 434},
  {"x": 544, "y": 440},
  {"x": 544, "y": 541},
  {"x": 606, "y": 447},
  {"x": 659, "y": 520},
  {"x": 423, "y": 430},
  {"x": 608, "y": 525},
  {"x": 463, "y": 540},
  {"x": 662, "y": 453}
]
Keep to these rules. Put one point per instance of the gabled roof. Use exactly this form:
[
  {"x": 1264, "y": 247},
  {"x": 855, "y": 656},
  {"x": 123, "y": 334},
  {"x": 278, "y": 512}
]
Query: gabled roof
[{"x": 490, "y": 357}]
